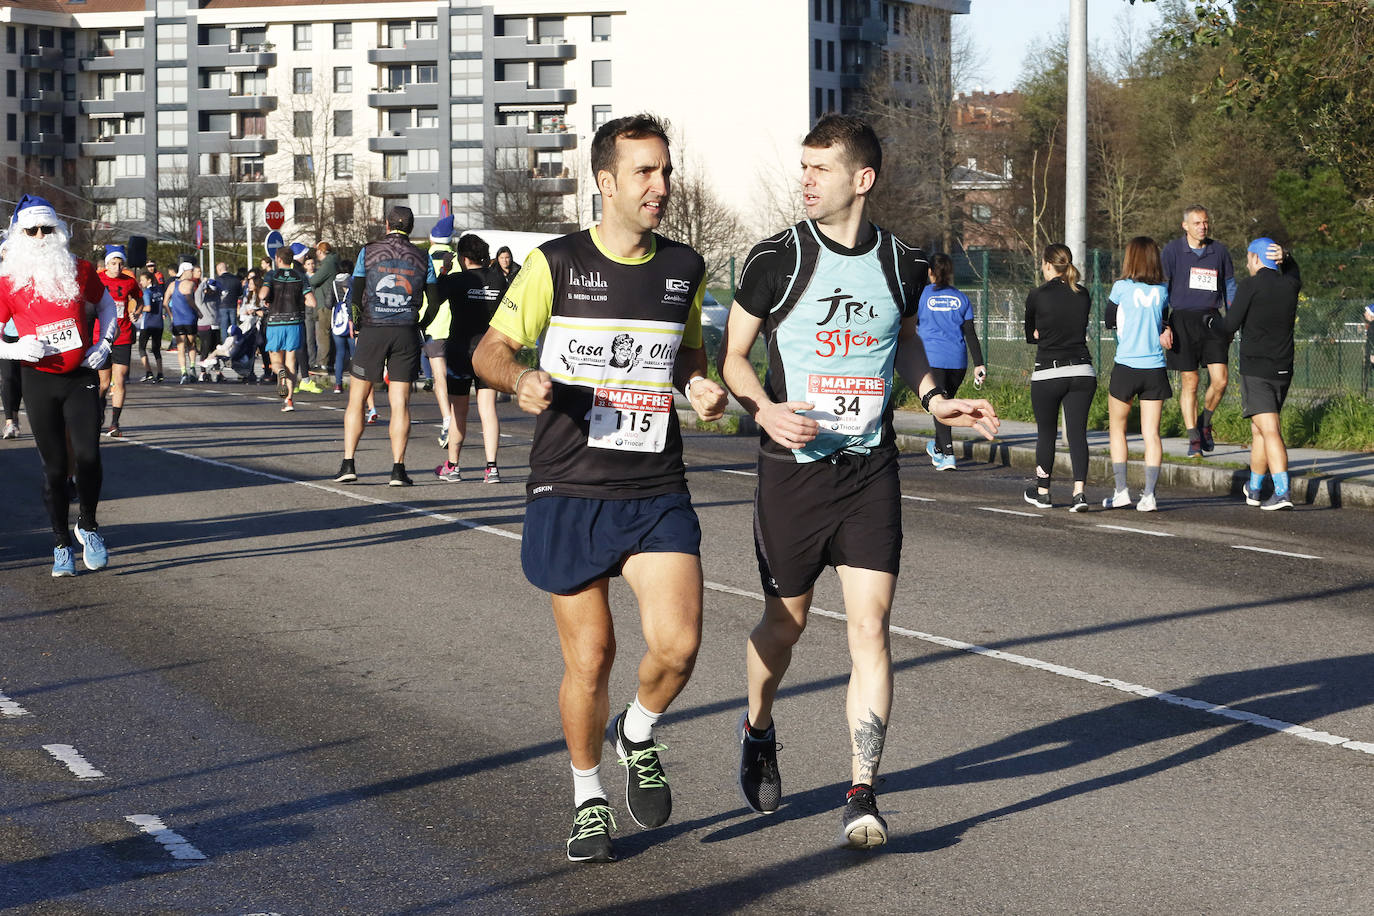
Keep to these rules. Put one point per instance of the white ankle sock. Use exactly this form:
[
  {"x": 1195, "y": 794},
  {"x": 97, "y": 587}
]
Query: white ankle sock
[
  {"x": 587, "y": 785},
  {"x": 639, "y": 722}
]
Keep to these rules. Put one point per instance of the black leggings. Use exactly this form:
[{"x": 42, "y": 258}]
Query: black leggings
[
  {"x": 59, "y": 407},
  {"x": 10, "y": 387},
  {"x": 153, "y": 337},
  {"x": 1076, "y": 394},
  {"x": 950, "y": 380}
]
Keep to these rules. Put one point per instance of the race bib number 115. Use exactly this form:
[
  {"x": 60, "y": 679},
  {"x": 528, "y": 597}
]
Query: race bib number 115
[{"x": 628, "y": 420}]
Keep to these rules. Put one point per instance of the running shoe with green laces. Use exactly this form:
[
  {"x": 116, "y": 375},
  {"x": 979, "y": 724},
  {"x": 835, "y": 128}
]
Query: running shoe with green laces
[
  {"x": 590, "y": 840},
  {"x": 646, "y": 785},
  {"x": 861, "y": 826},
  {"x": 759, "y": 780}
]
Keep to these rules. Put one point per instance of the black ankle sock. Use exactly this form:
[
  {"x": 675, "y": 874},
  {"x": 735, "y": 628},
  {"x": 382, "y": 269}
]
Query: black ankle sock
[
  {"x": 491, "y": 464},
  {"x": 758, "y": 733},
  {"x": 117, "y": 412},
  {"x": 1204, "y": 418}
]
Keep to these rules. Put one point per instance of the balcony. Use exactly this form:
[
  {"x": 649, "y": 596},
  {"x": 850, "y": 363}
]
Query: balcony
[
  {"x": 121, "y": 103},
  {"x": 219, "y": 141},
  {"x": 516, "y": 92},
  {"x": 399, "y": 187},
  {"x": 411, "y": 138},
  {"x": 413, "y": 51},
  {"x": 411, "y": 95},
  {"x": 45, "y": 100},
  {"x": 41, "y": 59},
  {"x": 45, "y": 145},
  {"x": 236, "y": 57},
  {"x": 118, "y": 145},
  {"x": 515, "y": 47},
  {"x": 255, "y": 190},
  {"x": 122, "y": 187},
  {"x": 116, "y": 60},
  {"x": 555, "y": 185},
  {"x": 228, "y": 100},
  {"x": 537, "y": 139}
]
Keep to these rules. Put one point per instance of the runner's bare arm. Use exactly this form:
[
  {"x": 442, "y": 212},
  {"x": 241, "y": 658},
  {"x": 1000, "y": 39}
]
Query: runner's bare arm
[
  {"x": 781, "y": 421},
  {"x": 689, "y": 375},
  {"x": 914, "y": 368},
  {"x": 495, "y": 363}
]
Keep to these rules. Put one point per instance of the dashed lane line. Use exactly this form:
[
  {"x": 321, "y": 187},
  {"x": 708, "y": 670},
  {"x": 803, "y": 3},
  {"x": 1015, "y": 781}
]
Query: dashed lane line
[
  {"x": 11, "y": 709},
  {"x": 79, "y": 765},
  {"x": 1157, "y": 534},
  {"x": 1239, "y": 715},
  {"x": 176, "y": 845},
  {"x": 1281, "y": 553},
  {"x": 1010, "y": 512}
]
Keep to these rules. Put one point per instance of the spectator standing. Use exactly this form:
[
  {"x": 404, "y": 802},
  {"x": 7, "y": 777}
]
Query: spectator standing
[{"x": 322, "y": 285}]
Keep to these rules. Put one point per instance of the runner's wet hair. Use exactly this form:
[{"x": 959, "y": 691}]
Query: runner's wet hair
[
  {"x": 631, "y": 127},
  {"x": 857, "y": 142},
  {"x": 1141, "y": 262}
]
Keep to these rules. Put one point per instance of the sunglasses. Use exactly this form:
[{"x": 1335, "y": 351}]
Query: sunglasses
[{"x": 40, "y": 230}]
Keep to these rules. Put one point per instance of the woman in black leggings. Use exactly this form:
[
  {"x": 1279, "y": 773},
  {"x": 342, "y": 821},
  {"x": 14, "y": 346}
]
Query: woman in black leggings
[{"x": 1057, "y": 324}]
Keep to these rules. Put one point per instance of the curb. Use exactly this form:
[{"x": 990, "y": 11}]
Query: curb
[{"x": 1325, "y": 490}]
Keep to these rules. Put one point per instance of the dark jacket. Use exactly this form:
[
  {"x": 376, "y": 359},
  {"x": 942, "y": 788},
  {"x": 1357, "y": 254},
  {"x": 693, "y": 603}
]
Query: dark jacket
[
  {"x": 1265, "y": 310},
  {"x": 1060, "y": 314}
]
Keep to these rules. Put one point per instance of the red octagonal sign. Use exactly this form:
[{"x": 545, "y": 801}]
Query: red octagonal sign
[{"x": 275, "y": 215}]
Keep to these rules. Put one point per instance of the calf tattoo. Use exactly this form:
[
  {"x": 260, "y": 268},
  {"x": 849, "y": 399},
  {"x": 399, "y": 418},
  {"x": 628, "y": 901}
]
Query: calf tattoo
[{"x": 868, "y": 746}]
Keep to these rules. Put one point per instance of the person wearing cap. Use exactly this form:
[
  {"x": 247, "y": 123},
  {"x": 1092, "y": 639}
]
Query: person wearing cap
[
  {"x": 123, "y": 289},
  {"x": 435, "y": 321},
  {"x": 55, "y": 300},
  {"x": 1264, "y": 312},
  {"x": 180, "y": 300}
]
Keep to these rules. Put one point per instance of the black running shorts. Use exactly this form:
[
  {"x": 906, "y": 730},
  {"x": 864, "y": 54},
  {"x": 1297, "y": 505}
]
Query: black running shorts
[
  {"x": 1147, "y": 384},
  {"x": 1262, "y": 395},
  {"x": 120, "y": 354},
  {"x": 393, "y": 349},
  {"x": 844, "y": 510},
  {"x": 1199, "y": 340}
]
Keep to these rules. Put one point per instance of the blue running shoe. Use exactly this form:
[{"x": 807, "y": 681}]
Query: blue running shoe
[
  {"x": 62, "y": 564},
  {"x": 93, "y": 552},
  {"x": 934, "y": 455}
]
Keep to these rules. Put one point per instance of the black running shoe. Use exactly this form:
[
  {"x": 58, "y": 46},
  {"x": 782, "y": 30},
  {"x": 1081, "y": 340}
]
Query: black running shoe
[
  {"x": 590, "y": 840},
  {"x": 1079, "y": 504},
  {"x": 1036, "y": 498},
  {"x": 347, "y": 473},
  {"x": 399, "y": 477},
  {"x": 759, "y": 780},
  {"x": 861, "y": 826},
  {"x": 646, "y": 786}
]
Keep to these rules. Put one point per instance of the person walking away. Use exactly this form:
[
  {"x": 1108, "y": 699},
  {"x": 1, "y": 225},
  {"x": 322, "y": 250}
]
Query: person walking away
[
  {"x": 1137, "y": 309},
  {"x": 286, "y": 293},
  {"x": 181, "y": 304},
  {"x": 944, "y": 319},
  {"x": 436, "y": 321},
  {"x": 1057, "y": 324},
  {"x": 11, "y": 386},
  {"x": 322, "y": 285},
  {"x": 473, "y": 297}
]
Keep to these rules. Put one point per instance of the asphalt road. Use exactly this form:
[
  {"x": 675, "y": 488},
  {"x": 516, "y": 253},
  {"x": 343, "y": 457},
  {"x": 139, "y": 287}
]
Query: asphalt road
[{"x": 342, "y": 699}]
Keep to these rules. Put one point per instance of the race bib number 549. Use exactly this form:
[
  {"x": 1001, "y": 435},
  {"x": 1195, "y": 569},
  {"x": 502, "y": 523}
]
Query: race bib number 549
[
  {"x": 851, "y": 405},
  {"x": 628, "y": 420}
]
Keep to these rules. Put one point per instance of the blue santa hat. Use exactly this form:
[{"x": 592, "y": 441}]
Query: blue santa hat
[
  {"x": 442, "y": 231},
  {"x": 298, "y": 249},
  {"x": 1260, "y": 249},
  {"x": 33, "y": 211},
  {"x": 115, "y": 251}
]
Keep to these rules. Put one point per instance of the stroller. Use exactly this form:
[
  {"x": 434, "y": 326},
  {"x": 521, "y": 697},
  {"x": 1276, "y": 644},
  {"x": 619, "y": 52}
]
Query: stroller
[{"x": 239, "y": 347}]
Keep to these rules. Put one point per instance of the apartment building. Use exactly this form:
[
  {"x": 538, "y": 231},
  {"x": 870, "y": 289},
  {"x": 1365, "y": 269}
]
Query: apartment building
[{"x": 155, "y": 113}]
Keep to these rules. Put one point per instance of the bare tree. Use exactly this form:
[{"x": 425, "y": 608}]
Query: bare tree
[
  {"x": 698, "y": 217},
  {"x": 310, "y": 135},
  {"x": 516, "y": 201}
]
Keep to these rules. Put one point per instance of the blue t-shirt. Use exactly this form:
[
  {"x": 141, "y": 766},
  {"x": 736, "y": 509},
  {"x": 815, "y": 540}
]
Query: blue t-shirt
[
  {"x": 1139, "y": 322},
  {"x": 940, "y": 322},
  {"x": 151, "y": 320}
]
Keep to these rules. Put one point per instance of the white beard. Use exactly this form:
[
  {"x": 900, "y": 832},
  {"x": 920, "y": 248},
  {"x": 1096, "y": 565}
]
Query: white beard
[{"x": 44, "y": 263}]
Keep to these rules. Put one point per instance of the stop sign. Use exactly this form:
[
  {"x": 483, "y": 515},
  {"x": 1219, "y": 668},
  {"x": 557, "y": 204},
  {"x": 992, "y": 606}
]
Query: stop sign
[{"x": 275, "y": 215}]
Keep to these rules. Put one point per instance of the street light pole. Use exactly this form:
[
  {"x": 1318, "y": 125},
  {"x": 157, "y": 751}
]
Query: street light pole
[{"x": 1076, "y": 152}]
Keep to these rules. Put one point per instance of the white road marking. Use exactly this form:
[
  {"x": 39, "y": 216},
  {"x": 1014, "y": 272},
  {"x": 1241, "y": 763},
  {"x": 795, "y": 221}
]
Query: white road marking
[
  {"x": 1240, "y": 715},
  {"x": 919, "y": 499},
  {"x": 75, "y": 762},
  {"x": 175, "y": 844},
  {"x": 1281, "y": 553},
  {"x": 10, "y": 708},
  {"x": 739, "y": 473},
  {"x": 1158, "y": 534}
]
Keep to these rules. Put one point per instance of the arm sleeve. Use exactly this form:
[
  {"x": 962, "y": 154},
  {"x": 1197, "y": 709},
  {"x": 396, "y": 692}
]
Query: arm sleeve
[
  {"x": 357, "y": 295},
  {"x": 528, "y": 304},
  {"x": 1030, "y": 317},
  {"x": 1228, "y": 273},
  {"x": 359, "y": 269},
  {"x": 1289, "y": 268},
  {"x": 432, "y": 303},
  {"x": 1240, "y": 306},
  {"x": 1109, "y": 316},
  {"x": 975, "y": 349}
]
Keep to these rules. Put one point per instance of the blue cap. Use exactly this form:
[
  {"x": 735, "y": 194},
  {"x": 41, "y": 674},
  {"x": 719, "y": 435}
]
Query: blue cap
[
  {"x": 298, "y": 249},
  {"x": 1258, "y": 248},
  {"x": 442, "y": 231},
  {"x": 114, "y": 251},
  {"x": 33, "y": 210}
]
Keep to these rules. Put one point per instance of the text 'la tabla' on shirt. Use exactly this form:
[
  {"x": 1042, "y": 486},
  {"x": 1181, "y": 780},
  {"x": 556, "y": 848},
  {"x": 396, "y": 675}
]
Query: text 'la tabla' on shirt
[
  {"x": 608, "y": 331},
  {"x": 832, "y": 316}
]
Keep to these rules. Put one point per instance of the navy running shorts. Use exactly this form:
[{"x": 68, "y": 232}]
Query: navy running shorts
[
  {"x": 571, "y": 541},
  {"x": 845, "y": 510}
]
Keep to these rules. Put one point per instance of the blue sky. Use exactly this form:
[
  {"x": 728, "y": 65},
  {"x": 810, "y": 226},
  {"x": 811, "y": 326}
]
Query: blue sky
[{"x": 1006, "y": 29}]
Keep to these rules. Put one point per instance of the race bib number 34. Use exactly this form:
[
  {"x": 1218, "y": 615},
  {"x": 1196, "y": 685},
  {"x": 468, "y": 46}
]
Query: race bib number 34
[
  {"x": 62, "y": 335},
  {"x": 628, "y": 420},
  {"x": 851, "y": 405}
]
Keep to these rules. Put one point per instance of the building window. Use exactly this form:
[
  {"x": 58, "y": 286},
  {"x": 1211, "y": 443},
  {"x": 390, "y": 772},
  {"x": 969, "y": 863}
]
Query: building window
[
  {"x": 394, "y": 166},
  {"x": 171, "y": 86},
  {"x": 601, "y": 73},
  {"x": 548, "y": 76},
  {"x": 816, "y": 10},
  {"x": 600, "y": 115},
  {"x": 171, "y": 42},
  {"x": 596, "y": 207},
  {"x": 397, "y": 34},
  {"x": 398, "y": 78},
  {"x": 302, "y": 167},
  {"x": 830, "y": 99},
  {"x": 466, "y": 79},
  {"x": 426, "y": 73},
  {"x": 170, "y": 8},
  {"x": 425, "y": 204},
  {"x": 343, "y": 165},
  {"x": 820, "y": 103},
  {"x": 343, "y": 123},
  {"x": 549, "y": 30},
  {"x": 302, "y": 80},
  {"x": 982, "y": 213},
  {"x": 343, "y": 209},
  {"x": 11, "y": 127},
  {"x": 343, "y": 79},
  {"x": 343, "y": 36},
  {"x": 427, "y": 30},
  {"x": 466, "y": 121},
  {"x": 601, "y": 28},
  {"x": 829, "y": 10},
  {"x": 11, "y": 40},
  {"x": 466, "y": 164},
  {"x": 830, "y": 56},
  {"x": 303, "y": 210},
  {"x": 816, "y": 46},
  {"x": 465, "y": 33},
  {"x": 422, "y": 160},
  {"x": 302, "y": 36},
  {"x": 302, "y": 123}
]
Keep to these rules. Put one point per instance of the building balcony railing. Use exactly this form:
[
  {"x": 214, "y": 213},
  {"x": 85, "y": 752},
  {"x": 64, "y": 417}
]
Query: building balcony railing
[
  {"x": 399, "y": 141},
  {"x": 515, "y": 47},
  {"x": 517, "y": 92},
  {"x": 108, "y": 147},
  {"x": 416, "y": 50},
  {"x": 554, "y": 185},
  {"x": 254, "y": 190},
  {"x": 45, "y": 101},
  {"x": 121, "y": 187},
  {"x": 43, "y": 145},
  {"x": 236, "y": 57},
  {"x": 121, "y": 102},
  {"x": 411, "y": 95},
  {"x": 115, "y": 60},
  {"x": 228, "y": 100},
  {"x": 397, "y": 187},
  {"x": 220, "y": 141},
  {"x": 41, "y": 59},
  {"x": 534, "y": 138}
]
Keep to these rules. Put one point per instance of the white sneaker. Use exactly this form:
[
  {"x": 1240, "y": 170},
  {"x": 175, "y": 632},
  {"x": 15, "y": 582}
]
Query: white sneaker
[
  {"x": 1146, "y": 504},
  {"x": 1121, "y": 499},
  {"x": 11, "y": 430}
]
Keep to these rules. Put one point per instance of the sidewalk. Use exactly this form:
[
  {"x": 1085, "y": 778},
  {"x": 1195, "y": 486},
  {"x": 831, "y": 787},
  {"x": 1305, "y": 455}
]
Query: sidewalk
[{"x": 1317, "y": 477}]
